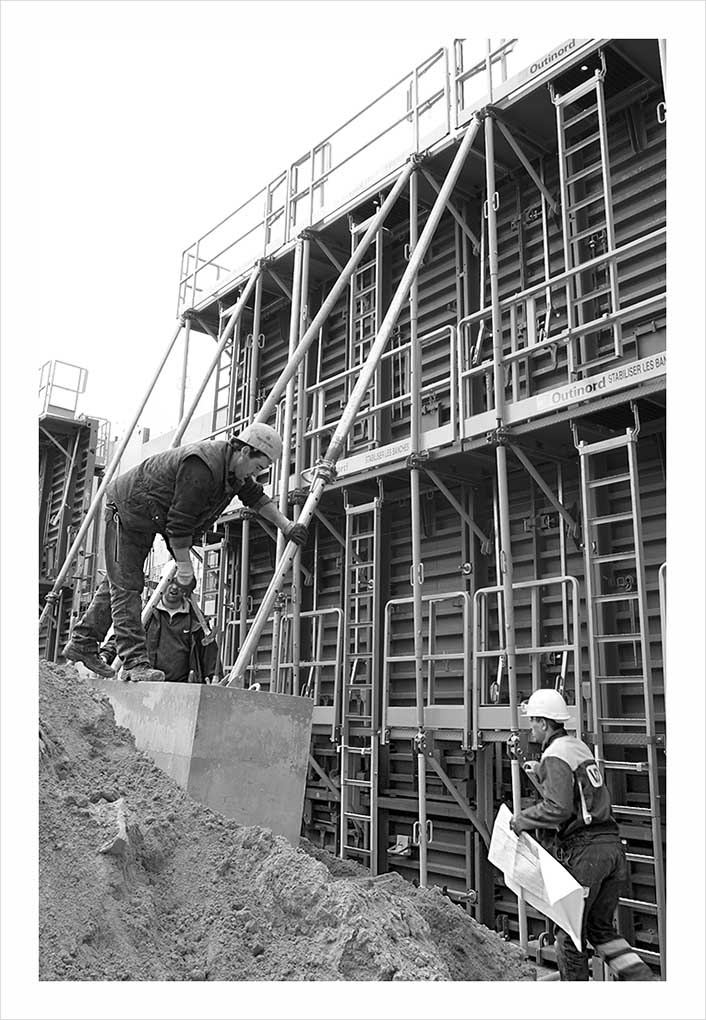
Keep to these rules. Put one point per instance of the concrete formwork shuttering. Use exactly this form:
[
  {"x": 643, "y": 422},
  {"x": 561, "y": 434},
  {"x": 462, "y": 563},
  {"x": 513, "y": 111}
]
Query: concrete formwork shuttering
[{"x": 467, "y": 361}]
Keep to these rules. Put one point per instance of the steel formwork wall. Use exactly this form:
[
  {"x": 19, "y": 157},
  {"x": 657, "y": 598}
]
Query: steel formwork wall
[{"x": 457, "y": 383}]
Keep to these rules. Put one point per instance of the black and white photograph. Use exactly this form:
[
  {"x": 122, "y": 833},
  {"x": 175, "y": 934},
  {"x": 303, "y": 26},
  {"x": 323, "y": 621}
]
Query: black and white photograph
[{"x": 363, "y": 543}]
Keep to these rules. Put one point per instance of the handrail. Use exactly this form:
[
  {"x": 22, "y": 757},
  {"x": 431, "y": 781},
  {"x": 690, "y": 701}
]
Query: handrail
[
  {"x": 449, "y": 382},
  {"x": 480, "y": 637},
  {"x": 337, "y": 661},
  {"x": 429, "y": 657},
  {"x": 446, "y": 96},
  {"x": 631, "y": 248}
]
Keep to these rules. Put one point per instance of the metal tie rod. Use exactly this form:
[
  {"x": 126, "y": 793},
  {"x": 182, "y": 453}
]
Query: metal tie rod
[{"x": 324, "y": 470}]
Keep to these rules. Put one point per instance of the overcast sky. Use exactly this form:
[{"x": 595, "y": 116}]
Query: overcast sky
[
  {"x": 129, "y": 129},
  {"x": 149, "y": 122}
]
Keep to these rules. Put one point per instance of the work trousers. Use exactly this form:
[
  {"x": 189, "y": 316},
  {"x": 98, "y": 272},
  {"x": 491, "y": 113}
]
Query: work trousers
[
  {"x": 599, "y": 864},
  {"x": 117, "y": 600}
]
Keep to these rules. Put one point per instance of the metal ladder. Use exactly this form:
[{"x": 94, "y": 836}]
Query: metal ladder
[
  {"x": 624, "y": 721},
  {"x": 359, "y": 704},
  {"x": 229, "y": 399},
  {"x": 587, "y": 219},
  {"x": 365, "y": 319}
]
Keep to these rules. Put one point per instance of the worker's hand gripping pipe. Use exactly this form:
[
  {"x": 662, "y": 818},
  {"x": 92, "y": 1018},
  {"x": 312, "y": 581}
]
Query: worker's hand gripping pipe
[{"x": 325, "y": 470}]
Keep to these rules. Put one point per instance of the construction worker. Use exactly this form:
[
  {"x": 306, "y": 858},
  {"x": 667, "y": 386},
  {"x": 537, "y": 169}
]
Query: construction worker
[
  {"x": 176, "y": 641},
  {"x": 178, "y": 494},
  {"x": 576, "y": 805}
]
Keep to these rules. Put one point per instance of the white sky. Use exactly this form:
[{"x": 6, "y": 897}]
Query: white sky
[
  {"x": 128, "y": 130},
  {"x": 151, "y": 122}
]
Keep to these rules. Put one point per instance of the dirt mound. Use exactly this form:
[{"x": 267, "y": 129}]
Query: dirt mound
[{"x": 139, "y": 882}]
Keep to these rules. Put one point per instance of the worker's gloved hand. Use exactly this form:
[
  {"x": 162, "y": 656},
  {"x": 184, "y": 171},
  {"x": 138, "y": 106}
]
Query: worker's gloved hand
[
  {"x": 298, "y": 533},
  {"x": 185, "y": 577},
  {"x": 519, "y": 825}
]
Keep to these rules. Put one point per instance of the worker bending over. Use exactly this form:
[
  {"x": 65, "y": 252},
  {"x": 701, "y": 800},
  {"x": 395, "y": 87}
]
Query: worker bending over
[
  {"x": 178, "y": 494},
  {"x": 576, "y": 804}
]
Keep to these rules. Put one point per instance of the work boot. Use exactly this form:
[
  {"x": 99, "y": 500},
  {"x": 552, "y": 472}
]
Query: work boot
[
  {"x": 141, "y": 673},
  {"x": 90, "y": 659}
]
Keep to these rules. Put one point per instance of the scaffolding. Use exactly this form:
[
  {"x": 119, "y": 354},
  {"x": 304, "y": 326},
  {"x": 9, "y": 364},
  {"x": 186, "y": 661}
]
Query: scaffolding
[{"x": 431, "y": 344}]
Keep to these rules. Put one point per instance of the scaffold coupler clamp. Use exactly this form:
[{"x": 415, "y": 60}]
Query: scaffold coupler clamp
[
  {"x": 297, "y": 497},
  {"x": 514, "y": 749},
  {"x": 417, "y": 460},
  {"x": 52, "y": 597},
  {"x": 186, "y": 316},
  {"x": 498, "y": 437},
  {"x": 264, "y": 262},
  {"x": 420, "y": 742},
  {"x": 326, "y": 470}
]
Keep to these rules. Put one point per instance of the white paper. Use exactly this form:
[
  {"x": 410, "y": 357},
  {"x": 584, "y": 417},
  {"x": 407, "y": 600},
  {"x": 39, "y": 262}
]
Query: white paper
[{"x": 530, "y": 869}]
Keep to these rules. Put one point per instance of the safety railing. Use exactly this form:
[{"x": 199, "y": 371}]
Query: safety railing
[
  {"x": 527, "y": 331},
  {"x": 418, "y": 110},
  {"x": 487, "y": 692},
  {"x": 433, "y": 655},
  {"x": 60, "y": 386},
  {"x": 102, "y": 441},
  {"x": 312, "y": 668},
  {"x": 439, "y": 385}
]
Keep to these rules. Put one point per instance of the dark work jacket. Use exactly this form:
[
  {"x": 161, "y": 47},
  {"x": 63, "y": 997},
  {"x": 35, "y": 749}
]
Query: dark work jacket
[
  {"x": 145, "y": 494},
  {"x": 572, "y": 789},
  {"x": 175, "y": 645}
]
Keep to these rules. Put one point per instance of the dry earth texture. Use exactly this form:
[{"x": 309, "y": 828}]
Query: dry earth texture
[{"x": 139, "y": 882}]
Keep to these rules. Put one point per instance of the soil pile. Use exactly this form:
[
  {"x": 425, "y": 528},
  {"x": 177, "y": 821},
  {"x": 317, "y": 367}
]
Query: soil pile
[{"x": 139, "y": 882}]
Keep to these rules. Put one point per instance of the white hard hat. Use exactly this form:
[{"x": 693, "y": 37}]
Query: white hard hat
[
  {"x": 546, "y": 703},
  {"x": 263, "y": 438}
]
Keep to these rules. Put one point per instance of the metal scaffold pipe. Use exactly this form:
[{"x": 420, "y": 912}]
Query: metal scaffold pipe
[
  {"x": 506, "y": 567},
  {"x": 225, "y": 337},
  {"x": 252, "y": 391},
  {"x": 288, "y": 372},
  {"x": 109, "y": 472},
  {"x": 184, "y": 369},
  {"x": 417, "y": 571},
  {"x": 287, "y": 431},
  {"x": 298, "y": 467},
  {"x": 325, "y": 470}
]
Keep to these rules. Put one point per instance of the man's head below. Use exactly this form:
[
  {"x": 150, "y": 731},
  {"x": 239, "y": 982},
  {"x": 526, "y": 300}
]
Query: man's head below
[
  {"x": 254, "y": 450},
  {"x": 173, "y": 596},
  {"x": 547, "y": 712}
]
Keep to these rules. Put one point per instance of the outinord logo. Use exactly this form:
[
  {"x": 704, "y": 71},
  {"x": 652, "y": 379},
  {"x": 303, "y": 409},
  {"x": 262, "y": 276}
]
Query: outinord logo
[{"x": 567, "y": 47}]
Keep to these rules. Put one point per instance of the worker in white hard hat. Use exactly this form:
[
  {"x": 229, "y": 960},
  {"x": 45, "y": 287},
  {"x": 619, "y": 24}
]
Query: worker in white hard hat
[
  {"x": 576, "y": 805},
  {"x": 178, "y": 494}
]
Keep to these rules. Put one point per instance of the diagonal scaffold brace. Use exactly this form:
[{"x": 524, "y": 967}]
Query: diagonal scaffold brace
[{"x": 325, "y": 469}]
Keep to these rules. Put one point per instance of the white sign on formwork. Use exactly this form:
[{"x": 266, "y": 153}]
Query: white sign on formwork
[
  {"x": 374, "y": 458},
  {"x": 599, "y": 385},
  {"x": 610, "y": 381}
]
